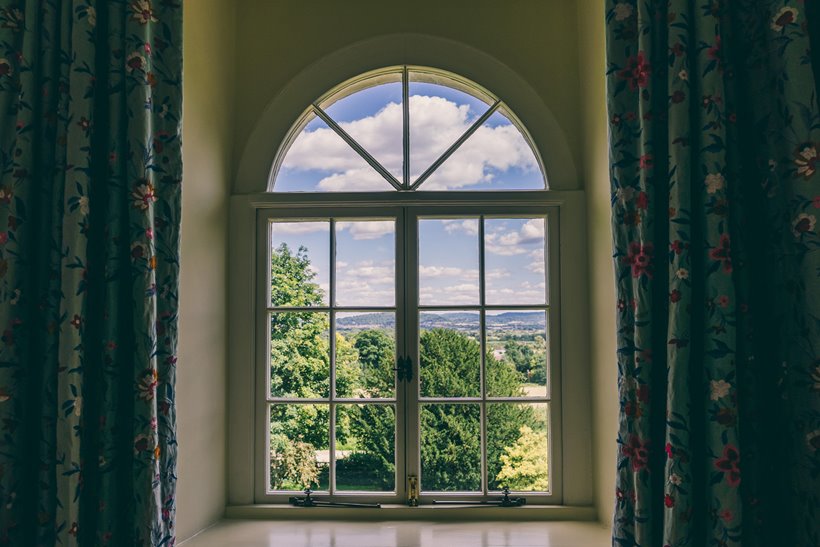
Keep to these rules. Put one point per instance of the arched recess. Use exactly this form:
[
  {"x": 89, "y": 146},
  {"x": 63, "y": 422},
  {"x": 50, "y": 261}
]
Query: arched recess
[{"x": 283, "y": 110}]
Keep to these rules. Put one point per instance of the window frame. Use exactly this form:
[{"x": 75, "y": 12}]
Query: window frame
[
  {"x": 406, "y": 206},
  {"x": 249, "y": 201}
]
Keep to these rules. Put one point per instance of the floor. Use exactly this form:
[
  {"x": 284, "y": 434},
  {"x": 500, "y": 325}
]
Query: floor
[{"x": 261, "y": 533}]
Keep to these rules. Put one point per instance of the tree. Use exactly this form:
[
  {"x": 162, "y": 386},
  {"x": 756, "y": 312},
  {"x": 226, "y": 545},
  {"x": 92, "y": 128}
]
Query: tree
[
  {"x": 449, "y": 364},
  {"x": 524, "y": 464},
  {"x": 529, "y": 359},
  {"x": 504, "y": 419},
  {"x": 293, "y": 466},
  {"x": 450, "y": 446},
  {"x": 292, "y": 280},
  {"x": 377, "y": 357}
]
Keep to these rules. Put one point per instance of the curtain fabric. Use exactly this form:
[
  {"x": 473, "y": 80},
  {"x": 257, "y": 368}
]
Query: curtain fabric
[
  {"x": 714, "y": 136},
  {"x": 90, "y": 172}
]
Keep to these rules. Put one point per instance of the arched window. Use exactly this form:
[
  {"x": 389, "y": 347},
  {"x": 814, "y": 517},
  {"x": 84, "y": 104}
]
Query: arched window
[
  {"x": 407, "y": 128},
  {"x": 407, "y": 272}
]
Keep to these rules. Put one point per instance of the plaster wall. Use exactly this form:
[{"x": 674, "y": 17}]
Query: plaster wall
[
  {"x": 279, "y": 39},
  {"x": 595, "y": 172},
  {"x": 201, "y": 366}
]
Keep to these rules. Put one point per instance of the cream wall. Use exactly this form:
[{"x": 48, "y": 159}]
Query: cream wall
[
  {"x": 278, "y": 39},
  {"x": 209, "y": 30},
  {"x": 239, "y": 55},
  {"x": 595, "y": 171}
]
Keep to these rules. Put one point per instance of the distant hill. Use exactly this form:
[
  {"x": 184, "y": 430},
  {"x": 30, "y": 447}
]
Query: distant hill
[{"x": 527, "y": 320}]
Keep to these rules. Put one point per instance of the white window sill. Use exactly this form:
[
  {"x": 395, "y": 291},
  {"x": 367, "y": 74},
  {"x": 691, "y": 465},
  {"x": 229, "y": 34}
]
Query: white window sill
[
  {"x": 450, "y": 513},
  {"x": 322, "y": 533}
]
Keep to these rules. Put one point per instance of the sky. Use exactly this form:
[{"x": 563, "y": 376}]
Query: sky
[
  {"x": 448, "y": 259},
  {"x": 495, "y": 157}
]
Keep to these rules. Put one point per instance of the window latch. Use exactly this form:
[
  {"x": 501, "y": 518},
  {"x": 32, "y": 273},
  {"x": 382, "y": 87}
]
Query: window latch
[
  {"x": 404, "y": 369},
  {"x": 505, "y": 501},
  {"x": 308, "y": 501}
]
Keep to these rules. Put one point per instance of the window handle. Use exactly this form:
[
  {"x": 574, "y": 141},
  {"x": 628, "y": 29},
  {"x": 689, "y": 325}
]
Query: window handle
[{"x": 404, "y": 369}]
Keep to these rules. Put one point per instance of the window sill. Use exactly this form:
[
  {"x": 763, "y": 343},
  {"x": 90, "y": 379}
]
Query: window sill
[{"x": 425, "y": 512}]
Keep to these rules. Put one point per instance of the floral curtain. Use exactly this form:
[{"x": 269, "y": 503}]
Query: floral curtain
[
  {"x": 90, "y": 171},
  {"x": 714, "y": 137}
]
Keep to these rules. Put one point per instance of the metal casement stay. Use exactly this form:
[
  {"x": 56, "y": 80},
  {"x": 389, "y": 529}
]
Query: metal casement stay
[
  {"x": 505, "y": 501},
  {"x": 309, "y": 501}
]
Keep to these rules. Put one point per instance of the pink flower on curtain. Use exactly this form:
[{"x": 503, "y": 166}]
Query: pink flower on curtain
[
  {"x": 722, "y": 253},
  {"x": 637, "y": 71},
  {"x": 729, "y": 464},
  {"x": 639, "y": 256},
  {"x": 637, "y": 450}
]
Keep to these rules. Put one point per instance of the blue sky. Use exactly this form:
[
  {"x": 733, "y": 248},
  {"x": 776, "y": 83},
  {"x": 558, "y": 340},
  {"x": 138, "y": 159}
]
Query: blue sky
[
  {"x": 496, "y": 157},
  {"x": 448, "y": 259}
]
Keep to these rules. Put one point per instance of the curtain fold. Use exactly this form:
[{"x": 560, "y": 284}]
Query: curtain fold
[
  {"x": 714, "y": 131},
  {"x": 90, "y": 180}
]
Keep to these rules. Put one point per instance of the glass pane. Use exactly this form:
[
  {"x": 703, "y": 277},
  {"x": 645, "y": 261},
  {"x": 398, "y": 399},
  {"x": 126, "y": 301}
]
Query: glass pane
[
  {"x": 366, "y": 355},
  {"x": 450, "y": 448},
  {"x": 300, "y": 258},
  {"x": 495, "y": 157},
  {"x": 448, "y": 261},
  {"x": 299, "y": 447},
  {"x": 319, "y": 160},
  {"x": 516, "y": 353},
  {"x": 450, "y": 354},
  {"x": 514, "y": 260},
  {"x": 517, "y": 447},
  {"x": 439, "y": 115},
  {"x": 374, "y": 117},
  {"x": 299, "y": 354},
  {"x": 366, "y": 263},
  {"x": 366, "y": 448}
]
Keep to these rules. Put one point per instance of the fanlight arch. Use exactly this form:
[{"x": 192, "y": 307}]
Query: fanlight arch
[{"x": 407, "y": 128}]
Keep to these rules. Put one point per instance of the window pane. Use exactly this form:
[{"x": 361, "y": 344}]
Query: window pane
[
  {"x": 495, "y": 157},
  {"x": 517, "y": 447},
  {"x": 374, "y": 117},
  {"x": 299, "y": 354},
  {"x": 299, "y": 447},
  {"x": 516, "y": 353},
  {"x": 448, "y": 261},
  {"x": 450, "y": 447},
  {"x": 366, "y": 263},
  {"x": 366, "y": 355},
  {"x": 450, "y": 354},
  {"x": 439, "y": 116},
  {"x": 319, "y": 160},
  {"x": 300, "y": 256},
  {"x": 514, "y": 260},
  {"x": 366, "y": 447}
]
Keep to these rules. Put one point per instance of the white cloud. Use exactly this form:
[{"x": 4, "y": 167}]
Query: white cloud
[
  {"x": 537, "y": 265},
  {"x": 367, "y": 269},
  {"x": 300, "y": 227},
  {"x": 366, "y": 283},
  {"x": 509, "y": 243},
  {"x": 469, "y": 226},
  {"x": 435, "y": 123},
  {"x": 524, "y": 292},
  {"x": 496, "y": 273},
  {"x": 462, "y": 293},
  {"x": 447, "y": 271},
  {"x": 364, "y": 230}
]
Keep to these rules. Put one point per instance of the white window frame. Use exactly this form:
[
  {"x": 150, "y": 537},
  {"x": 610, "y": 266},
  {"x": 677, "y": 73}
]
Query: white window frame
[
  {"x": 570, "y": 467},
  {"x": 407, "y": 210}
]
